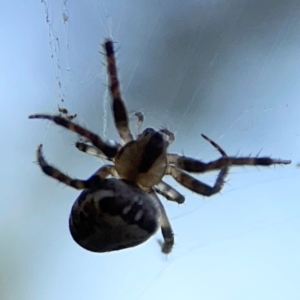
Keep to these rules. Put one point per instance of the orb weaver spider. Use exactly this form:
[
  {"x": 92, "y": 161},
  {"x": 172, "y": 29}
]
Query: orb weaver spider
[{"x": 119, "y": 207}]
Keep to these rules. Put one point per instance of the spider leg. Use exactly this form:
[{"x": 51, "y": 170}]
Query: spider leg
[
  {"x": 166, "y": 229},
  {"x": 107, "y": 149},
  {"x": 90, "y": 183},
  {"x": 196, "y": 185},
  {"x": 169, "y": 192},
  {"x": 118, "y": 106},
  {"x": 193, "y": 165},
  {"x": 105, "y": 171},
  {"x": 92, "y": 150}
]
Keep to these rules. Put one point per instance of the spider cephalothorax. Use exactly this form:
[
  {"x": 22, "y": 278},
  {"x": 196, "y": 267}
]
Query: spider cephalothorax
[{"x": 124, "y": 211}]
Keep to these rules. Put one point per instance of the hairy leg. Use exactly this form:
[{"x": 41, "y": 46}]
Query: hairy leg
[
  {"x": 107, "y": 149},
  {"x": 90, "y": 183},
  {"x": 196, "y": 185},
  {"x": 91, "y": 150},
  {"x": 169, "y": 192},
  {"x": 194, "y": 165},
  {"x": 118, "y": 105},
  {"x": 166, "y": 229}
]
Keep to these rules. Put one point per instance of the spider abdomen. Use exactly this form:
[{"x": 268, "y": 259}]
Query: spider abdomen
[{"x": 113, "y": 217}]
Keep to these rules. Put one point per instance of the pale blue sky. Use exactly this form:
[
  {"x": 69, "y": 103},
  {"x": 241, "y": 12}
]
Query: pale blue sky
[{"x": 228, "y": 69}]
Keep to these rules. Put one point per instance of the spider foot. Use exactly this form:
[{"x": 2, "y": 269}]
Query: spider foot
[
  {"x": 166, "y": 247},
  {"x": 215, "y": 145},
  {"x": 272, "y": 161}
]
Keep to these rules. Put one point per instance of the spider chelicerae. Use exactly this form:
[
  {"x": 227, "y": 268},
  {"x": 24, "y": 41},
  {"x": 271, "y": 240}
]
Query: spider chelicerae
[{"x": 119, "y": 207}]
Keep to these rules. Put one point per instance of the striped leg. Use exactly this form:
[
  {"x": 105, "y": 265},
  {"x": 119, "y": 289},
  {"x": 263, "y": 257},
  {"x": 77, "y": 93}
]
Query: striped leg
[
  {"x": 91, "y": 150},
  {"x": 193, "y": 165},
  {"x": 107, "y": 149},
  {"x": 196, "y": 185},
  {"x": 166, "y": 229},
  {"x": 118, "y": 106},
  {"x": 90, "y": 183},
  {"x": 169, "y": 192}
]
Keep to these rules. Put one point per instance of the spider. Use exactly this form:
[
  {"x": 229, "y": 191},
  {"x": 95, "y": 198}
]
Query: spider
[{"x": 119, "y": 207}]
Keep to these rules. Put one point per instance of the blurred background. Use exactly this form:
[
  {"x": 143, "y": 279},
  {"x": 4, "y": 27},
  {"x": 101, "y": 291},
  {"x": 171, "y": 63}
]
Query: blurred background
[{"x": 228, "y": 69}]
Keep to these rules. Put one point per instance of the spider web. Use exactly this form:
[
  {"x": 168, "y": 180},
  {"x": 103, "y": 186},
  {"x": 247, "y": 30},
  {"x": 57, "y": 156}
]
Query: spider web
[
  {"x": 194, "y": 68},
  {"x": 59, "y": 47}
]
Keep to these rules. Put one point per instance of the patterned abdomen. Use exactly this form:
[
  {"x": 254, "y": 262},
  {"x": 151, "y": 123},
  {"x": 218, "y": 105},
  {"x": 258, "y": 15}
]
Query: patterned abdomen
[{"x": 113, "y": 217}]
